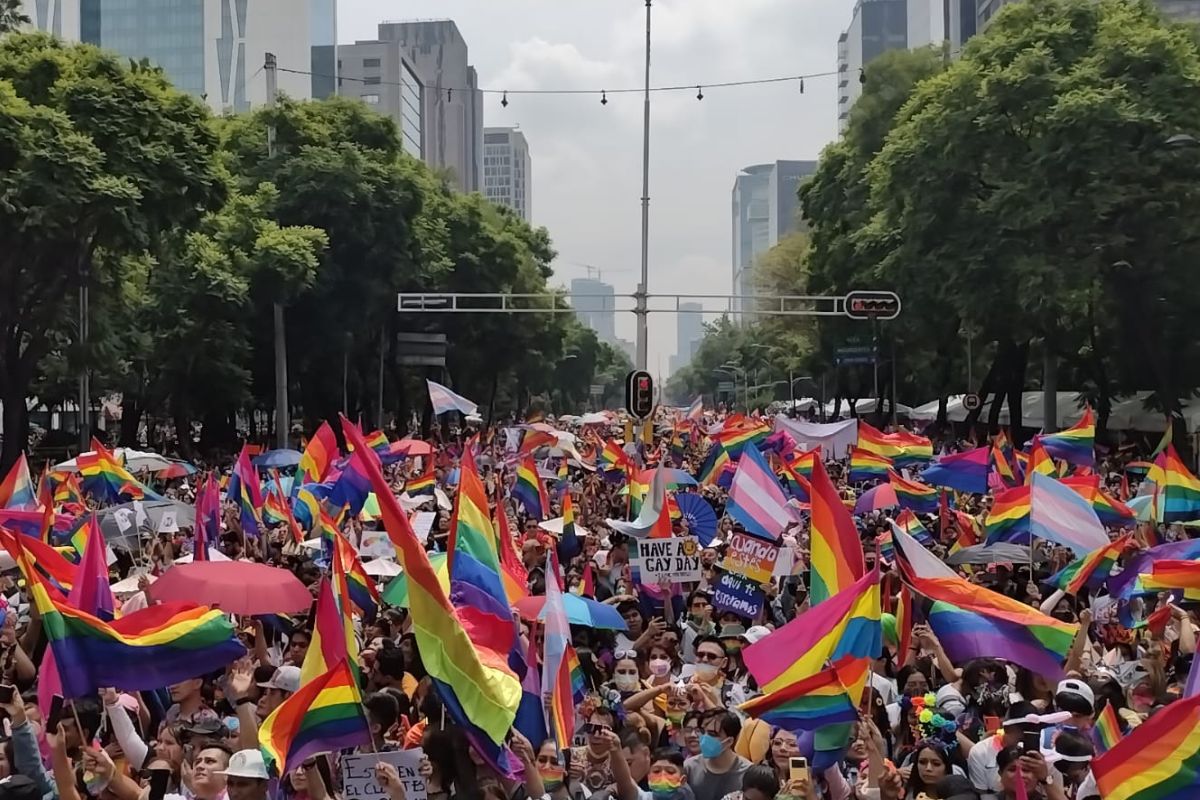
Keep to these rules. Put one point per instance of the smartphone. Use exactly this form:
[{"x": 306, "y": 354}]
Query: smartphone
[
  {"x": 991, "y": 724},
  {"x": 7, "y": 693},
  {"x": 56, "y": 711},
  {"x": 798, "y": 768},
  {"x": 159, "y": 778},
  {"x": 1031, "y": 741}
]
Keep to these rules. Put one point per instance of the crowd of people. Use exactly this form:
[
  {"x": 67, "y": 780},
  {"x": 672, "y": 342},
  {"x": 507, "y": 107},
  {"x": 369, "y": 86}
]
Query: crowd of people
[{"x": 659, "y": 711}]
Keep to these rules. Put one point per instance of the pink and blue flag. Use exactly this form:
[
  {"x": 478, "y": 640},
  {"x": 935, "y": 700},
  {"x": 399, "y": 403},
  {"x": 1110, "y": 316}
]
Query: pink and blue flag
[
  {"x": 756, "y": 499},
  {"x": 964, "y": 472},
  {"x": 443, "y": 400},
  {"x": 1059, "y": 514}
]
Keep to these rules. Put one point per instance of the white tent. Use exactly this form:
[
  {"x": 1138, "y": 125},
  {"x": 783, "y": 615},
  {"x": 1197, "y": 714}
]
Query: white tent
[{"x": 1127, "y": 413}]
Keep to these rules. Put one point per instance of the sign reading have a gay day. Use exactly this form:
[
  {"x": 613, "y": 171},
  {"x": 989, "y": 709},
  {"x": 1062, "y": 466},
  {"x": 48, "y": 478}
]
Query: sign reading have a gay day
[
  {"x": 675, "y": 559},
  {"x": 738, "y": 595},
  {"x": 750, "y": 556}
]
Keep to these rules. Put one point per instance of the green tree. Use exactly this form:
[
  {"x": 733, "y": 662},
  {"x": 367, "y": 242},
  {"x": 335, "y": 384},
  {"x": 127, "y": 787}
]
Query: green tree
[
  {"x": 97, "y": 158},
  {"x": 12, "y": 16}
]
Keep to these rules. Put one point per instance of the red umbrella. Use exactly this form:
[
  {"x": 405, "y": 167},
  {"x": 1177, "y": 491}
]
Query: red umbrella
[
  {"x": 237, "y": 587},
  {"x": 414, "y": 447},
  {"x": 177, "y": 469}
]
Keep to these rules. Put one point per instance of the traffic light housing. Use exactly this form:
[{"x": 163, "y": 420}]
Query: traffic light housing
[
  {"x": 639, "y": 394},
  {"x": 872, "y": 305}
]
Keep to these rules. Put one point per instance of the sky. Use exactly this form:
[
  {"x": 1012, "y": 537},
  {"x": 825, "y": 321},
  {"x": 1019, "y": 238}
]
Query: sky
[{"x": 587, "y": 157}]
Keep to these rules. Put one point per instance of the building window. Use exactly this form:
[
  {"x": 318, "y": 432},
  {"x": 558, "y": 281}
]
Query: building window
[
  {"x": 370, "y": 62},
  {"x": 371, "y": 99},
  {"x": 371, "y": 80}
]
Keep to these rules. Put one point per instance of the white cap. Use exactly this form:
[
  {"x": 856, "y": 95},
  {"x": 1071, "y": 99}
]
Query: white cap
[
  {"x": 1077, "y": 687},
  {"x": 756, "y": 632},
  {"x": 286, "y": 678},
  {"x": 246, "y": 764}
]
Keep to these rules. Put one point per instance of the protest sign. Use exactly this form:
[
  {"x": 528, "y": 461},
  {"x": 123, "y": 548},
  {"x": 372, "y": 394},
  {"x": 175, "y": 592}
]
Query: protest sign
[
  {"x": 376, "y": 544},
  {"x": 674, "y": 559},
  {"x": 738, "y": 595},
  {"x": 422, "y": 524},
  {"x": 358, "y": 775},
  {"x": 168, "y": 523},
  {"x": 750, "y": 556}
]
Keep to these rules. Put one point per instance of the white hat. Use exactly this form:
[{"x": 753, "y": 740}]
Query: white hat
[
  {"x": 1079, "y": 688},
  {"x": 246, "y": 764},
  {"x": 286, "y": 678},
  {"x": 756, "y": 632}
]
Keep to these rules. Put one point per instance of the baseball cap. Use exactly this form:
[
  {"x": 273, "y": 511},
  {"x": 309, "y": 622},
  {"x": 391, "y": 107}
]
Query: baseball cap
[
  {"x": 286, "y": 678},
  {"x": 1078, "y": 688},
  {"x": 757, "y": 632},
  {"x": 246, "y": 764}
]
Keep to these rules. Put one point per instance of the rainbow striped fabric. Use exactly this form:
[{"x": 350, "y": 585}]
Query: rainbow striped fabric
[
  {"x": 1158, "y": 760},
  {"x": 1092, "y": 569},
  {"x": 1008, "y": 518},
  {"x": 16, "y": 491},
  {"x": 556, "y": 663},
  {"x": 802, "y": 461},
  {"x": 909, "y": 523},
  {"x": 319, "y": 454},
  {"x": 529, "y": 491},
  {"x": 964, "y": 472},
  {"x": 714, "y": 463},
  {"x": 734, "y": 440},
  {"x": 797, "y": 485},
  {"x": 423, "y": 483},
  {"x": 819, "y": 700},
  {"x": 1178, "y": 490},
  {"x": 867, "y": 466},
  {"x": 578, "y": 679},
  {"x": 284, "y": 506},
  {"x": 836, "y": 550},
  {"x": 350, "y": 579},
  {"x": 914, "y": 495},
  {"x": 1075, "y": 445},
  {"x": 902, "y": 447},
  {"x": 325, "y": 714},
  {"x": 1040, "y": 462},
  {"x": 1172, "y": 574},
  {"x": 148, "y": 649},
  {"x": 332, "y": 636},
  {"x": 106, "y": 479},
  {"x": 1106, "y": 733}
]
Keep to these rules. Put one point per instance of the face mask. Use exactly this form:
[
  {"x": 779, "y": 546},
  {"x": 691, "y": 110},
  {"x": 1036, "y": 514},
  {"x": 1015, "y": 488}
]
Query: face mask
[
  {"x": 664, "y": 786},
  {"x": 625, "y": 682},
  {"x": 676, "y": 717},
  {"x": 711, "y": 746},
  {"x": 659, "y": 667},
  {"x": 552, "y": 776},
  {"x": 706, "y": 672}
]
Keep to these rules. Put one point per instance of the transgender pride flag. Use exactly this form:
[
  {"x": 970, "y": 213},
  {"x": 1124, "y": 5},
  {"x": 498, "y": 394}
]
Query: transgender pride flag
[
  {"x": 756, "y": 499},
  {"x": 1059, "y": 514},
  {"x": 444, "y": 400}
]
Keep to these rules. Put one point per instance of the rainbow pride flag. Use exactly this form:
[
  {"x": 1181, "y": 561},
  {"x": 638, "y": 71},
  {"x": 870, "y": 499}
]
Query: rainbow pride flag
[
  {"x": 332, "y": 636},
  {"x": 714, "y": 464},
  {"x": 106, "y": 479},
  {"x": 1075, "y": 445},
  {"x": 1040, "y": 462},
  {"x": 1178, "y": 489},
  {"x": 16, "y": 491},
  {"x": 613, "y": 458},
  {"x": 902, "y": 447},
  {"x": 350, "y": 579},
  {"x": 1008, "y": 518},
  {"x": 1158, "y": 760},
  {"x": 814, "y": 702},
  {"x": 319, "y": 454},
  {"x": 909, "y": 523},
  {"x": 836, "y": 559},
  {"x": 1002, "y": 465},
  {"x": 529, "y": 491},
  {"x": 914, "y": 495},
  {"x": 423, "y": 483},
  {"x": 797, "y": 485},
  {"x": 325, "y": 714},
  {"x": 1106, "y": 733},
  {"x": 1092, "y": 569},
  {"x": 867, "y": 466},
  {"x": 801, "y": 461},
  {"x": 736, "y": 439},
  {"x": 148, "y": 649}
]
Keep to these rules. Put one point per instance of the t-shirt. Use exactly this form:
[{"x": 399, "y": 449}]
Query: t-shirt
[{"x": 707, "y": 785}]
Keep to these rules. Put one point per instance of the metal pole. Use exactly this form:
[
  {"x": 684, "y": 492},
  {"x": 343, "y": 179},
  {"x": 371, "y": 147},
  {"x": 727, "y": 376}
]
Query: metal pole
[
  {"x": 85, "y": 389},
  {"x": 345, "y": 376},
  {"x": 282, "y": 423},
  {"x": 643, "y": 286},
  {"x": 791, "y": 394},
  {"x": 970, "y": 353},
  {"x": 875, "y": 357}
]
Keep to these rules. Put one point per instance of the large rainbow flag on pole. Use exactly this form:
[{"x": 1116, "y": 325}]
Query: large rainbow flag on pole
[
  {"x": 868, "y": 466},
  {"x": 16, "y": 491},
  {"x": 914, "y": 495},
  {"x": 1178, "y": 489},
  {"x": 814, "y": 702},
  {"x": 319, "y": 453},
  {"x": 836, "y": 550},
  {"x": 475, "y": 684},
  {"x": 324, "y": 715},
  {"x": 105, "y": 478},
  {"x": 1158, "y": 760},
  {"x": 1075, "y": 445},
  {"x": 902, "y": 447},
  {"x": 529, "y": 491},
  {"x": 332, "y": 636}
]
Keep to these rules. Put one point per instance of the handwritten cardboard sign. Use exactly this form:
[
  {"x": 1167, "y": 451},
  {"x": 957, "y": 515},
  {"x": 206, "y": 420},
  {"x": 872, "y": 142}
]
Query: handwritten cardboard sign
[
  {"x": 676, "y": 559},
  {"x": 738, "y": 595},
  {"x": 751, "y": 557},
  {"x": 358, "y": 775}
]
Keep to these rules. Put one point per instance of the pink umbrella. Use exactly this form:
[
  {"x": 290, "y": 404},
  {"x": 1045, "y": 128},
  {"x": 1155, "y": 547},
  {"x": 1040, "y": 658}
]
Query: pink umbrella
[
  {"x": 876, "y": 498},
  {"x": 177, "y": 469},
  {"x": 413, "y": 447},
  {"x": 237, "y": 587}
]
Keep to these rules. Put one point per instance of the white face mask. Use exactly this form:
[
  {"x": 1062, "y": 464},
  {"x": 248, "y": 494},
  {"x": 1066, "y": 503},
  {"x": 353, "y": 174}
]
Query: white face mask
[
  {"x": 706, "y": 672},
  {"x": 625, "y": 681},
  {"x": 660, "y": 667}
]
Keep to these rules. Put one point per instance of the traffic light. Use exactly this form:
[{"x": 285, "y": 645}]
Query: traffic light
[
  {"x": 639, "y": 394},
  {"x": 872, "y": 305}
]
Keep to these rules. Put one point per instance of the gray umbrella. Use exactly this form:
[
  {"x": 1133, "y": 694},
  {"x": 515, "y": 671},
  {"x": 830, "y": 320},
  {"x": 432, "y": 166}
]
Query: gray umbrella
[
  {"x": 125, "y": 536},
  {"x": 994, "y": 554}
]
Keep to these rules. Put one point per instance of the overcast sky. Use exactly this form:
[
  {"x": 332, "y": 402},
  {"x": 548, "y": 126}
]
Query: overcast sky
[{"x": 587, "y": 158}]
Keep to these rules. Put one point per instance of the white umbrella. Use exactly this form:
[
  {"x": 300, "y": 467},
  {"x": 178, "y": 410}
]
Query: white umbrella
[
  {"x": 382, "y": 568},
  {"x": 555, "y": 526},
  {"x": 135, "y": 461},
  {"x": 130, "y": 585}
]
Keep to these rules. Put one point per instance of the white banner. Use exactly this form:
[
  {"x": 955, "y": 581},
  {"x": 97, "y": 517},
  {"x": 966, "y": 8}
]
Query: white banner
[{"x": 835, "y": 438}]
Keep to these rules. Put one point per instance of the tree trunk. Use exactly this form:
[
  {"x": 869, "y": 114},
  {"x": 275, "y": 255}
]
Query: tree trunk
[
  {"x": 491, "y": 415},
  {"x": 943, "y": 415},
  {"x": 16, "y": 423},
  {"x": 131, "y": 419},
  {"x": 986, "y": 388},
  {"x": 1016, "y": 384},
  {"x": 183, "y": 428}
]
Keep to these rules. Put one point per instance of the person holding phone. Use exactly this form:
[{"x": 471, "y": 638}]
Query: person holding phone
[{"x": 982, "y": 766}]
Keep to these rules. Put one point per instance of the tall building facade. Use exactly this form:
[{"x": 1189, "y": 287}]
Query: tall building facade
[
  {"x": 765, "y": 209},
  {"x": 595, "y": 306},
  {"x": 379, "y": 73},
  {"x": 452, "y": 105},
  {"x": 877, "y": 26},
  {"x": 689, "y": 330},
  {"x": 508, "y": 170},
  {"x": 213, "y": 49}
]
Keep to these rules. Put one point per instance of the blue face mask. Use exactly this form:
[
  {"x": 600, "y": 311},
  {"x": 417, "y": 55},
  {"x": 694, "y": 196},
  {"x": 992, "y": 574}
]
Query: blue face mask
[{"x": 711, "y": 746}]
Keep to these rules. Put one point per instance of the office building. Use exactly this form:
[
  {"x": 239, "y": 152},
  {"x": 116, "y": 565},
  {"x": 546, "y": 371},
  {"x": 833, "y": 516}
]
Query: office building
[
  {"x": 213, "y": 49},
  {"x": 689, "y": 330},
  {"x": 378, "y": 73},
  {"x": 765, "y": 209},
  {"x": 877, "y": 26},
  {"x": 508, "y": 170},
  {"x": 595, "y": 306},
  {"x": 452, "y": 106}
]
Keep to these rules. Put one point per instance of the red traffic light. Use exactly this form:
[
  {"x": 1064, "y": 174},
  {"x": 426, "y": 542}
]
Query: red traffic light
[
  {"x": 639, "y": 394},
  {"x": 871, "y": 305}
]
